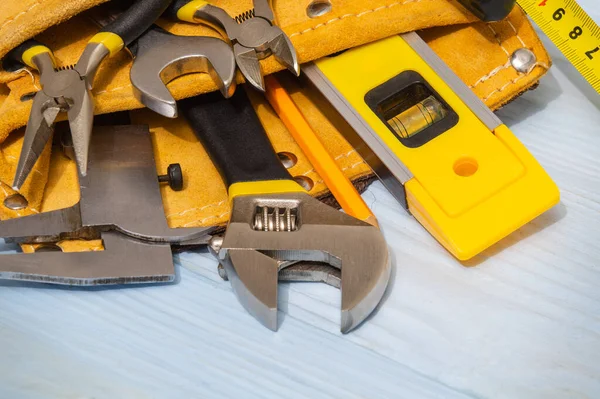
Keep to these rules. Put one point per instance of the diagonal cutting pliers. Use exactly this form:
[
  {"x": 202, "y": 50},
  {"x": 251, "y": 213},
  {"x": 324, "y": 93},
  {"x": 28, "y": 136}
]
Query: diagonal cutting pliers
[
  {"x": 252, "y": 34},
  {"x": 68, "y": 89}
]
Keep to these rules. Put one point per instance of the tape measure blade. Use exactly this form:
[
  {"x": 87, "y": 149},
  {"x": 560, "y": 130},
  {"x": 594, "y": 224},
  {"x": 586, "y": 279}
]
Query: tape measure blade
[{"x": 572, "y": 30}]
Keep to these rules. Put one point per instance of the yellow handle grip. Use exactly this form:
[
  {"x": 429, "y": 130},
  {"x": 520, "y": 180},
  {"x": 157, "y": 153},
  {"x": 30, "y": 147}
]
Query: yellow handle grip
[
  {"x": 113, "y": 42},
  {"x": 32, "y": 52}
]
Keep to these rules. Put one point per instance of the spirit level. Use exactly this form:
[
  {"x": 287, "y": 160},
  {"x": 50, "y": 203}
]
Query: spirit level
[
  {"x": 442, "y": 153},
  {"x": 575, "y": 34}
]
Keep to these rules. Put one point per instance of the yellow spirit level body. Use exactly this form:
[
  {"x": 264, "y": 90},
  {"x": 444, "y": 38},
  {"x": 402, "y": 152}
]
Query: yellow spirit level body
[{"x": 465, "y": 177}]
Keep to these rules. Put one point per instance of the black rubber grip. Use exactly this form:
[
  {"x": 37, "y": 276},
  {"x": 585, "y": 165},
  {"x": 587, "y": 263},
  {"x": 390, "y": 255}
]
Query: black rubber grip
[
  {"x": 171, "y": 12},
  {"x": 136, "y": 19},
  {"x": 133, "y": 47},
  {"x": 489, "y": 10},
  {"x": 233, "y": 136},
  {"x": 14, "y": 59}
]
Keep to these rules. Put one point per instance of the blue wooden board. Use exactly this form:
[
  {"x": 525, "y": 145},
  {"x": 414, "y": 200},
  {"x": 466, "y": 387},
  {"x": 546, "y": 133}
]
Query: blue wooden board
[{"x": 523, "y": 323}]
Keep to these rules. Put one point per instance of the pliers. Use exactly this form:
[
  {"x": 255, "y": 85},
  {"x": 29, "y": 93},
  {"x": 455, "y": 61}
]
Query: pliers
[
  {"x": 68, "y": 89},
  {"x": 253, "y": 35}
]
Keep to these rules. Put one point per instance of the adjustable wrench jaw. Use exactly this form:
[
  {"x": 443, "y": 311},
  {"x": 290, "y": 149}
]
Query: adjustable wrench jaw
[{"x": 258, "y": 244}]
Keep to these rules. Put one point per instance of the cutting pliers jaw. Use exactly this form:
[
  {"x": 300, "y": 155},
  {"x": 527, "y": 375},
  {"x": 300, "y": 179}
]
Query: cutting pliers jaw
[
  {"x": 248, "y": 53},
  {"x": 253, "y": 35}
]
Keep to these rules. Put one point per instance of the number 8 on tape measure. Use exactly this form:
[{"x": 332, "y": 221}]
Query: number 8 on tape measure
[{"x": 573, "y": 31}]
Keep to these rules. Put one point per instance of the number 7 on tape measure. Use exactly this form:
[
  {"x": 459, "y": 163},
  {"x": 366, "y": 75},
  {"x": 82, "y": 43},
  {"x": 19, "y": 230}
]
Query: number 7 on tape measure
[{"x": 573, "y": 31}]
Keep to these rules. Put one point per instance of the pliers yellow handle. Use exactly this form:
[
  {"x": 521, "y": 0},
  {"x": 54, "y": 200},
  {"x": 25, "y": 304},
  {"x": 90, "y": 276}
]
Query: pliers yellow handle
[{"x": 26, "y": 54}]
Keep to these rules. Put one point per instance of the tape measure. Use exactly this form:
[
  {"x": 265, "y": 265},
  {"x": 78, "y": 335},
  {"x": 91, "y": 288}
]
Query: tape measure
[{"x": 573, "y": 31}]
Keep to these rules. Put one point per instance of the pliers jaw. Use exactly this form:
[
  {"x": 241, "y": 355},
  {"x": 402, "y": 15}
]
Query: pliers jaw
[
  {"x": 248, "y": 54},
  {"x": 37, "y": 133},
  {"x": 63, "y": 91},
  {"x": 254, "y": 37},
  {"x": 66, "y": 90}
]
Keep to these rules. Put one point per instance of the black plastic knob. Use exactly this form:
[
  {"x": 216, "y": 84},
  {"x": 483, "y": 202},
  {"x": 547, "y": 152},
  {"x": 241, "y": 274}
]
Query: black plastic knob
[{"x": 174, "y": 177}]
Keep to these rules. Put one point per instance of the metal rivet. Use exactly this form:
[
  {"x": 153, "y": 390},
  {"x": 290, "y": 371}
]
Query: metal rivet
[
  {"x": 287, "y": 159},
  {"x": 523, "y": 60},
  {"x": 318, "y": 8},
  {"x": 15, "y": 202},
  {"x": 305, "y": 182}
]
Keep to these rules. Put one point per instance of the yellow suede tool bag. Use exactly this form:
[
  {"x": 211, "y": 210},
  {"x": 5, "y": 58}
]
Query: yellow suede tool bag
[{"x": 479, "y": 53}]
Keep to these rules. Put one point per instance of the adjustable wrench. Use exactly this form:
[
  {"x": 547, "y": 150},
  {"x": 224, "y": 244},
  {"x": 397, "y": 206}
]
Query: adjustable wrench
[{"x": 275, "y": 223}]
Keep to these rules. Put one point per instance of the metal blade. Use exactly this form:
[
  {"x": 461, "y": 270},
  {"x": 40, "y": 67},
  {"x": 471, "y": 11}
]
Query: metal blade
[
  {"x": 38, "y": 132},
  {"x": 357, "y": 302},
  {"x": 263, "y": 9},
  {"x": 311, "y": 272},
  {"x": 123, "y": 261},
  {"x": 248, "y": 63},
  {"x": 283, "y": 49},
  {"x": 81, "y": 119},
  {"x": 253, "y": 277},
  {"x": 49, "y": 225}
]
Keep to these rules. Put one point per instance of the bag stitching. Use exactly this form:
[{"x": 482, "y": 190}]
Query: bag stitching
[
  {"x": 484, "y": 78},
  {"x": 500, "y": 68},
  {"x": 357, "y": 15},
  {"x": 198, "y": 209},
  {"x": 19, "y": 15}
]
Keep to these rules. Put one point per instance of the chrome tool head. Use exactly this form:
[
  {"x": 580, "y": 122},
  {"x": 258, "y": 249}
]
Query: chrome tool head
[
  {"x": 267, "y": 233},
  {"x": 162, "y": 57},
  {"x": 136, "y": 248},
  {"x": 123, "y": 261},
  {"x": 63, "y": 90},
  {"x": 258, "y": 38},
  {"x": 40, "y": 127},
  {"x": 254, "y": 36}
]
